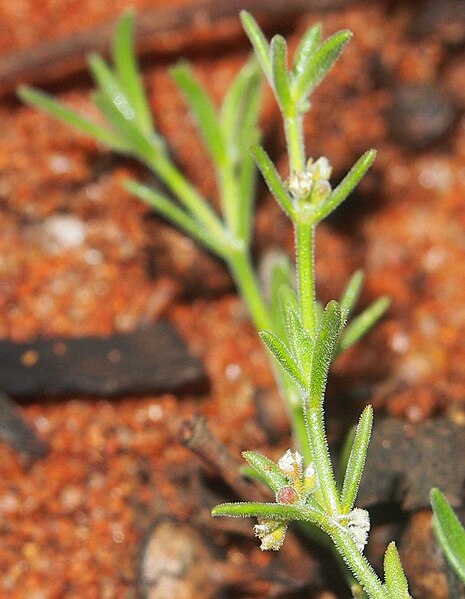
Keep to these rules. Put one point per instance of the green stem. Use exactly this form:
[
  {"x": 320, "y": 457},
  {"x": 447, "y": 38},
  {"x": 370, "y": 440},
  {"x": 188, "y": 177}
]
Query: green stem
[
  {"x": 304, "y": 234},
  {"x": 293, "y": 131},
  {"x": 240, "y": 265},
  {"x": 228, "y": 188},
  {"x": 357, "y": 562}
]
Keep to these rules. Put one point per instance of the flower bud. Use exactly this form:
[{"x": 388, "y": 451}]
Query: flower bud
[
  {"x": 310, "y": 481},
  {"x": 322, "y": 168},
  {"x": 287, "y": 495}
]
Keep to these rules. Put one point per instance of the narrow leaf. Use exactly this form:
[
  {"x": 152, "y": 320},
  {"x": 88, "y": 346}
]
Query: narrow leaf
[
  {"x": 109, "y": 86},
  {"x": 176, "y": 215},
  {"x": 68, "y": 116},
  {"x": 288, "y": 298},
  {"x": 268, "y": 470},
  {"x": 346, "y": 186},
  {"x": 278, "y": 53},
  {"x": 188, "y": 195},
  {"x": 203, "y": 110},
  {"x": 300, "y": 342},
  {"x": 351, "y": 293},
  {"x": 258, "y": 41},
  {"x": 450, "y": 532},
  {"x": 126, "y": 128},
  {"x": 306, "y": 48},
  {"x": 356, "y": 461},
  {"x": 239, "y": 116},
  {"x": 283, "y": 356},
  {"x": 272, "y": 511},
  {"x": 281, "y": 274},
  {"x": 127, "y": 71},
  {"x": 249, "y": 108},
  {"x": 344, "y": 456},
  {"x": 240, "y": 109},
  {"x": 396, "y": 581},
  {"x": 362, "y": 323},
  {"x": 323, "y": 352},
  {"x": 319, "y": 64},
  {"x": 273, "y": 180}
]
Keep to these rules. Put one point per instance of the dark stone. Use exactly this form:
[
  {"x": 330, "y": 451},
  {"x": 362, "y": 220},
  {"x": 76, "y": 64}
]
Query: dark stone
[
  {"x": 404, "y": 462},
  {"x": 147, "y": 360},
  {"x": 15, "y": 431},
  {"x": 421, "y": 115}
]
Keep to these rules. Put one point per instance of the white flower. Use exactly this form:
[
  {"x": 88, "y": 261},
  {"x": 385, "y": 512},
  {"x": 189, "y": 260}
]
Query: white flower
[
  {"x": 271, "y": 533},
  {"x": 358, "y": 524},
  {"x": 291, "y": 463},
  {"x": 300, "y": 184}
]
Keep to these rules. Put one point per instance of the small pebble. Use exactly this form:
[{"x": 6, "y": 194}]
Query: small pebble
[{"x": 65, "y": 231}]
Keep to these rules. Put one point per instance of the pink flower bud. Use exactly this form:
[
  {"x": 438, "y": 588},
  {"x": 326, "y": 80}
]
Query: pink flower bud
[{"x": 287, "y": 495}]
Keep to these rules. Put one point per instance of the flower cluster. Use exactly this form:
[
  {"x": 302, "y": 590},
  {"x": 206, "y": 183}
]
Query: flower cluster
[
  {"x": 311, "y": 184},
  {"x": 357, "y": 522},
  {"x": 301, "y": 483}
]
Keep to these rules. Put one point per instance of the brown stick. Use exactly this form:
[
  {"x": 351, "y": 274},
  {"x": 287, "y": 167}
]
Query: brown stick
[
  {"x": 196, "y": 435},
  {"x": 53, "y": 60}
]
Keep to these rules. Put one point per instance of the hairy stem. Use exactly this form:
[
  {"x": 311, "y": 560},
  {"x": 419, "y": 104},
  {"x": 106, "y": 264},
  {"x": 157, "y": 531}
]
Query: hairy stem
[
  {"x": 304, "y": 234},
  {"x": 293, "y": 131}
]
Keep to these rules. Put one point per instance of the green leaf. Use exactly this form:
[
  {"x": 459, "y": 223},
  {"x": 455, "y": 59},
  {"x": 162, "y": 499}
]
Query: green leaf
[
  {"x": 288, "y": 298},
  {"x": 48, "y": 104},
  {"x": 272, "y": 511},
  {"x": 281, "y": 274},
  {"x": 300, "y": 341},
  {"x": 239, "y": 116},
  {"x": 351, "y": 293},
  {"x": 273, "y": 180},
  {"x": 204, "y": 112},
  {"x": 127, "y": 72},
  {"x": 240, "y": 109},
  {"x": 278, "y": 52},
  {"x": 109, "y": 86},
  {"x": 176, "y": 215},
  {"x": 318, "y": 65},
  {"x": 306, "y": 48},
  {"x": 346, "y": 186},
  {"x": 283, "y": 356},
  {"x": 396, "y": 581},
  {"x": 356, "y": 461},
  {"x": 325, "y": 344},
  {"x": 268, "y": 470},
  {"x": 449, "y": 531},
  {"x": 126, "y": 128},
  {"x": 362, "y": 323},
  {"x": 258, "y": 41}
]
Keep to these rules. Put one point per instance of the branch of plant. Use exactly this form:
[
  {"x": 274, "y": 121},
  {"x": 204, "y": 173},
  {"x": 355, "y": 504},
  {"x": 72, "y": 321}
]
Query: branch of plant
[{"x": 302, "y": 337}]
